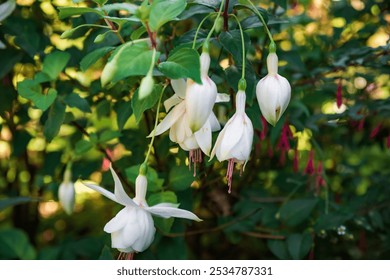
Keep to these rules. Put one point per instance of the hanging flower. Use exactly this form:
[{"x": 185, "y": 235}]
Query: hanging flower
[
  {"x": 273, "y": 92},
  {"x": 132, "y": 229},
  {"x": 179, "y": 130},
  {"x": 234, "y": 142},
  {"x": 339, "y": 94},
  {"x": 66, "y": 192},
  {"x": 200, "y": 98}
]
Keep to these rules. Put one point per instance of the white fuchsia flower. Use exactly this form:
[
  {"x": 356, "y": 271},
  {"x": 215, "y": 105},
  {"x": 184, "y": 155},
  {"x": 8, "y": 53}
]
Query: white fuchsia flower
[
  {"x": 132, "y": 229},
  {"x": 66, "y": 192},
  {"x": 200, "y": 98},
  {"x": 177, "y": 123},
  {"x": 234, "y": 142},
  {"x": 273, "y": 92}
]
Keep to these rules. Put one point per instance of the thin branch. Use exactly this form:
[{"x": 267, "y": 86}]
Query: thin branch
[{"x": 226, "y": 16}]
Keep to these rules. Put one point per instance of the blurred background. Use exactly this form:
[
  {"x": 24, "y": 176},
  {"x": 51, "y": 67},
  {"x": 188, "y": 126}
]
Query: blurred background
[{"x": 317, "y": 185}]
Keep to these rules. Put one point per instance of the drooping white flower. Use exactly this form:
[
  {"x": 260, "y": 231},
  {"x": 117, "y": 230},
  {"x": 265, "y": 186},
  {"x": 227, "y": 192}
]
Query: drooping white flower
[
  {"x": 177, "y": 123},
  {"x": 6, "y": 9},
  {"x": 273, "y": 92},
  {"x": 234, "y": 142},
  {"x": 200, "y": 98},
  {"x": 66, "y": 192},
  {"x": 132, "y": 229}
]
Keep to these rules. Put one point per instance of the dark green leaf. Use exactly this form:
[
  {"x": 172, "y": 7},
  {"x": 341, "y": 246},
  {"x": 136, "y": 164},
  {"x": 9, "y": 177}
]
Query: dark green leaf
[
  {"x": 299, "y": 245},
  {"x": 180, "y": 178},
  {"x": 297, "y": 211},
  {"x": 8, "y": 60},
  {"x": 119, "y": 66},
  {"x": 163, "y": 11},
  {"x": 332, "y": 221},
  {"x": 123, "y": 113},
  {"x": 109, "y": 135},
  {"x": 73, "y": 11},
  {"x": 54, "y": 63},
  {"x": 14, "y": 243},
  {"x": 54, "y": 121},
  {"x": 31, "y": 90},
  {"x": 75, "y": 100},
  {"x": 12, "y": 201},
  {"x": 279, "y": 249},
  {"x": 80, "y": 31},
  {"x": 82, "y": 147},
  {"x": 139, "y": 106},
  {"x": 184, "y": 63},
  {"x": 106, "y": 254}
]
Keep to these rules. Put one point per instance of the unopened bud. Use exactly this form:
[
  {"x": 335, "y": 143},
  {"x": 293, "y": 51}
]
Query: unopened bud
[{"x": 146, "y": 87}]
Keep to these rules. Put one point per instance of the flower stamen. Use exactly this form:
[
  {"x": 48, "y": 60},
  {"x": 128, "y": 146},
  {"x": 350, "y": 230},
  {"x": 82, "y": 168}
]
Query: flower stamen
[{"x": 195, "y": 156}]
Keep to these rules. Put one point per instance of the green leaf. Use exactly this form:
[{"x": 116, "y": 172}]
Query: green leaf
[
  {"x": 332, "y": 221},
  {"x": 14, "y": 243},
  {"x": 94, "y": 56},
  {"x": 8, "y": 57},
  {"x": 31, "y": 90},
  {"x": 54, "y": 63},
  {"x": 123, "y": 113},
  {"x": 297, "y": 211},
  {"x": 75, "y": 100},
  {"x": 279, "y": 249},
  {"x": 100, "y": 2},
  {"x": 139, "y": 106},
  {"x": 119, "y": 65},
  {"x": 208, "y": 3},
  {"x": 73, "y": 11},
  {"x": 180, "y": 178},
  {"x": 128, "y": 7},
  {"x": 54, "y": 121},
  {"x": 82, "y": 147},
  {"x": 244, "y": 5},
  {"x": 163, "y": 11},
  {"x": 154, "y": 183},
  {"x": 79, "y": 31},
  {"x": 231, "y": 41},
  {"x": 299, "y": 245},
  {"x": 101, "y": 37},
  {"x": 12, "y": 201},
  {"x": 106, "y": 254},
  {"x": 136, "y": 34},
  {"x": 184, "y": 63},
  {"x": 109, "y": 135}
]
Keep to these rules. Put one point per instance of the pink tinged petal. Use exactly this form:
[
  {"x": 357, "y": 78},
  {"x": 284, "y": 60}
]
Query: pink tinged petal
[
  {"x": 222, "y": 97},
  {"x": 203, "y": 137},
  {"x": 102, "y": 191},
  {"x": 120, "y": 194},
  {"x": 214, "y": 123},
  {"x": 167, "y": 210},
  {"x": 169, "y": 119},
  {"x": 179, "y": 87}
]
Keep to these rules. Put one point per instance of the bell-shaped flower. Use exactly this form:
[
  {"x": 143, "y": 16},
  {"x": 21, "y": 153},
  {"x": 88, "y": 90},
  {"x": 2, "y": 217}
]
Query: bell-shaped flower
[
  {"x": 234, "y": 142},
  {"x": 273, "y": 92},
  {"x": 177, "y": 123},
  {"x": 200, "y": 98},
  {"x": 132, "y": 229},
  {"x": 66, "y": 192}
]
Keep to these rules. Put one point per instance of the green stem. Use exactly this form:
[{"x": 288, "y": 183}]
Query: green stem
[
  {"x": 263, "y": 21},
  {"x": 215, "y": 22},
  {"x": 243, "y": 46},
  {"x": 155, "y": 125},
  {"x": 198, "y": 29},
  {"x": 152, "y": 63}
]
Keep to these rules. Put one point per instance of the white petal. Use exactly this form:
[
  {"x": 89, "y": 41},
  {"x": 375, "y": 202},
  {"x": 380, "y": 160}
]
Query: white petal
[
  {"x": 119, "y": 221},
  {"x": 179, "y": 87},
  {"x": 241, "y": 152},
  {"x": 102, "y": 191},
  {"x": 203, "y": 138},
  {"x": 172, "y": 101},
  {"x": 222, "y": 97},
  {"x": 167, "y": 210},
  {"x": 120, "y": 194},
  {"x": 6, "y": 9},
  {"x": 268, "y": 98},
  {"x": 66, "y": 195},
  {"x": 189, "y": 143},
  {"x": 2, "y": 46},
  {"x": 146, "y": 231},
  {"x": 170, "y": 119},
  {"x": 233, "y": 133},
  {"x": 214, "y": 123}
]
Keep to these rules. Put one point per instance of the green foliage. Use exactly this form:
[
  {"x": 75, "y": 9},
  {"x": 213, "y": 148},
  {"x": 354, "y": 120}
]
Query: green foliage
[{"x": 69, "y": 93}]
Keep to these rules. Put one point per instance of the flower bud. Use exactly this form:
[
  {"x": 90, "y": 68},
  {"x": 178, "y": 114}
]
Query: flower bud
[
  {"x": 146, "y": 86},
  {"x": 141, "y": 187},
  {"x": 66, "y": 193},
  {"x": 273, "y": 92}
]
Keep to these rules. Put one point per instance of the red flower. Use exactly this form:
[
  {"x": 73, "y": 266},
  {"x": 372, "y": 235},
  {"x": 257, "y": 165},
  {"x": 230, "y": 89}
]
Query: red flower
[{"x": 310, "y": 164}]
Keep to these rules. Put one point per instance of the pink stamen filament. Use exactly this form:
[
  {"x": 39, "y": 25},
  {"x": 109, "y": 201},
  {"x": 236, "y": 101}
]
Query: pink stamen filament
[
  {"x": 195, "y": 156},
  {"x": 229, "y": 174}
]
